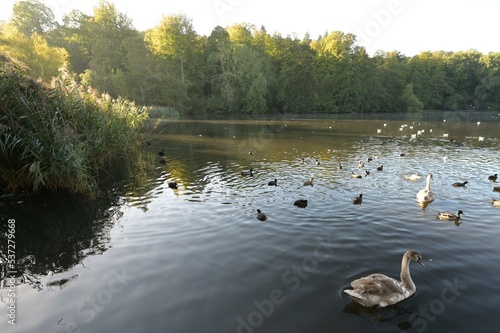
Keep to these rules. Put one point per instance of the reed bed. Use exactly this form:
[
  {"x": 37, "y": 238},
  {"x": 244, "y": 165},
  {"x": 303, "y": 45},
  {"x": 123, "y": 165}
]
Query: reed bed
[{"x": 61, "y": 135}]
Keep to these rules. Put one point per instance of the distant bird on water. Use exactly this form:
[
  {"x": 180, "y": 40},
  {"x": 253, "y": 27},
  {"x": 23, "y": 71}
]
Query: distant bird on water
[
  {"x": 458, "y": 184},
  {"x": 493, "y": 178},
  {"x": 380, "y": 168},
  {"x": 172, "y": 185},
  {"x": 356, "y": 175},
  {"x": 302, "y": 203},
  {"x": 261, "y": 216},
  {"x": 449, "y": 216},
  {"x": 162, "y": 152},
  {"x": 425, "y": 195},
  {"x": 247, "y": 173},
  {"x": 495, "y": 202},
  {"x": 309, "y": 182},
  {"x": 273, "y": 182},
  {"x": 357, "y": 200}
]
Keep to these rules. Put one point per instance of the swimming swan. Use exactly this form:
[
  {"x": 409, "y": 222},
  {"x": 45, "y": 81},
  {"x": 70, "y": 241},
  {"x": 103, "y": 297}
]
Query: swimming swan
[
  {"x": 381, "y": 290},
  {"x": 425, "y": 195}
]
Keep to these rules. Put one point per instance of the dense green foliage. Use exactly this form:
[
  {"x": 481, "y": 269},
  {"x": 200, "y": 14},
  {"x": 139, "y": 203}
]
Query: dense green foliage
[
  {"x": 60, "y": 136},
  {"x": 243, "y": 70}
]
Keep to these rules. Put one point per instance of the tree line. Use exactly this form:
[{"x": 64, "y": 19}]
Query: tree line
[{"x": 241, "y": 69}]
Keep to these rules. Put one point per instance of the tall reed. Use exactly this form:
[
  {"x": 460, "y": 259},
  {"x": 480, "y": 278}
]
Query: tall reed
[{"x": 60, "y": 135}]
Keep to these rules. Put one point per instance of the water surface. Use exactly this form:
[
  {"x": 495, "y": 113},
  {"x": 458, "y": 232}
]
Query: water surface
[{"x": 196, "y": 259}]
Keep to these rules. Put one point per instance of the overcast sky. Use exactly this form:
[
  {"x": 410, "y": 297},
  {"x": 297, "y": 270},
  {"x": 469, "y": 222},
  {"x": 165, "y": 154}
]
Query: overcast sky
[{"x": 408, "y": 26}]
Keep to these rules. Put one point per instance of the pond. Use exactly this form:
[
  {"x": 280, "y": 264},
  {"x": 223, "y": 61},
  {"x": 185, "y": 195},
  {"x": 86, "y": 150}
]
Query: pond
[{"x": 196, "y": 259}]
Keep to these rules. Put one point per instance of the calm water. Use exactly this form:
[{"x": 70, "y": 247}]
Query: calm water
[{"x": 196, "y": 259}]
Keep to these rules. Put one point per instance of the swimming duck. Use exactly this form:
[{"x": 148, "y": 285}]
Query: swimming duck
[
  {"x": 357, "y": 200},
  {"x": 162, "y": 152},
  {"x": 425, "y": 195},
  {"x": 382, "y": 290},
  {"x": 250, "y": 152},
  {"x": 309, "y": 182},
  {"x": 339, "y": 166},
  {"x": 380, "y": 168},
  {"x": 458, "y": 184},
  {"x": 495, "y": 202},
  {"x": 361, "y": 165},
  {"x": 261, "y": 216},
  {"x": 449, "y": 216},
  {"x": 318, "y": 162},
  {"x": 163, "y": 160},
  {"x": 493, "y": 178},
  {"x": 273, "y": 182},
  {"x": 367, "y": 172},
  {"x": 172, "y": 185},
  {"x": 355, "y": 175},
  {"x": 496, "y": 189},
  {"x": 302, "y": 203},
  {"x": 370, "y": 159},
  {"x": 247, "y": 173}
]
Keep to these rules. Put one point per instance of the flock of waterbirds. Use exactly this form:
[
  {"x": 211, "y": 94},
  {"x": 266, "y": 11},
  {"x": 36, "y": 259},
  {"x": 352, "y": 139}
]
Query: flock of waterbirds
[{"x": 377, "y": 289}]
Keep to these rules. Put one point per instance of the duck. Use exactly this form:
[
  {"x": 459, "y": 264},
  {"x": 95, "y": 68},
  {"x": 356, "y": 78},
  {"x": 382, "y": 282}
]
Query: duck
[
  {"x": 172, "y": 185},
  {"x": 302, "y": 203},
  {"x": 318, "y": 162},
  {"x": 402, "y": 154},
  {"x": 367, "y": 173},
  {"x": 493, "y": 178},
  {"x": 163, "y": 160},
  {"x": 339, "y": 166},
  {"x": 357, "y": 200},
  {"x": 382, "y": 290},
  {"x": 309, "y": 182},
  {"x": 355, "y": 175},
  {"x": 495, "y": 202},
  {"x": 250, "y": 152},
  {"x": 458, "y": 184},
  {"x": 380, "y": 168},
  {"x": 370, "y": 159},
  {"x": 426, "y": 195},
  {"x": 247, "y": 173},
  {"x": 361, "y": 165},
  {"x": 261, "y": 216},
  {"x": 273, "y": 182},
  {"x": 449, "y": 216},
  {"x": 162, "y": 152},
  {"x": 496, "y": 189}
]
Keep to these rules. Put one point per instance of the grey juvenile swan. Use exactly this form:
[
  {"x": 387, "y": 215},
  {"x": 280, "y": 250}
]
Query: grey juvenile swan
[{"x": 381, "y": 290}]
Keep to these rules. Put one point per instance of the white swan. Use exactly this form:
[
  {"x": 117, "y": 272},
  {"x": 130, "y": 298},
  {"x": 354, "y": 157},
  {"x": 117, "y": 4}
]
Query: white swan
[
  {"x": 425, "y": 195},
  {"x": 381, "y": 290}
]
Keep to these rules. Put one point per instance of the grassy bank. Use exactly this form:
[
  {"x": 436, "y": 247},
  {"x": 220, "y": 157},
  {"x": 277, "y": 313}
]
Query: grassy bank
[{"x": 60, "y": 135}]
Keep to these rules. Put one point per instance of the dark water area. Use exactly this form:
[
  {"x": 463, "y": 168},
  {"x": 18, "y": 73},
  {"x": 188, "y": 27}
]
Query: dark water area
[{"x": 196, "y": 259}]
